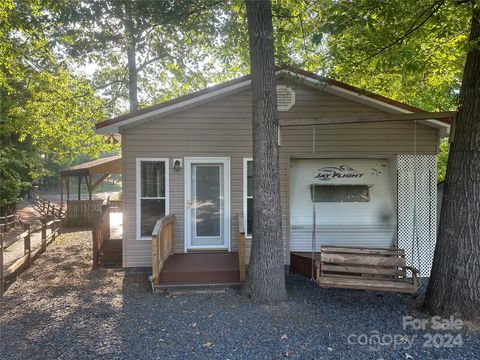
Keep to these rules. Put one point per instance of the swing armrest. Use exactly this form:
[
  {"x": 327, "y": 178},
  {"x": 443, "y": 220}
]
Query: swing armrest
[
  {"x": 412, "y": 269},
  {"x": 414, "y": 274}
]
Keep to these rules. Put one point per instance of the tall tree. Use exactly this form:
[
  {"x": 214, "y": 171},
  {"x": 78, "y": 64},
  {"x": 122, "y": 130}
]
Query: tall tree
[
  {"x": 454, "y": 285},
  {"x": 411, "y": 51},
  {"x": 266, "y": 278},
  {"x": 135, "y": 43},
  {"x": 46, "y": 113}
]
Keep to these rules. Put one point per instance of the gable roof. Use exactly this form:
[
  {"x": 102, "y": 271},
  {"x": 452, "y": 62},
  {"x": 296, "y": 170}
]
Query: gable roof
[
  {"x": 108, "y": 165},
  {"x": 226, "y": 88}
]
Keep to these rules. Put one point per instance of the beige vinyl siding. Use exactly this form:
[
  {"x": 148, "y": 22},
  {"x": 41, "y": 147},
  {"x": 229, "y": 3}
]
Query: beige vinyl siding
[{"x": 222, "y": 128}]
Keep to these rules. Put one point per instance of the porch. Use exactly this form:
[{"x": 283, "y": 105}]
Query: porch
[
  {"x": 199, "y": 268},
  {"x": 205, "y": 268}
]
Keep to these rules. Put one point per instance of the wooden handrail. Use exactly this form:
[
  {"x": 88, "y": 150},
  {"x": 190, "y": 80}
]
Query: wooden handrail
[
  {"x": 101, "y": 233},
  {"x": 24, "y": 261},
  {"x": 163, "y": 238},
  {"x": 241, "y": 247},
  {"x": 27, "y": 258}
]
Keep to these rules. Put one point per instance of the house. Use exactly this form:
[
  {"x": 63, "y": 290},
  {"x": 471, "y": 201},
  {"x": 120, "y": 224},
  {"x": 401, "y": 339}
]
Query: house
[{"x": 371, "y": 183}]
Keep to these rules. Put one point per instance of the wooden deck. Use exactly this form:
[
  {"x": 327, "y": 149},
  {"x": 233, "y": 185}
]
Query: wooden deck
[{"x": 205, "y": 268}]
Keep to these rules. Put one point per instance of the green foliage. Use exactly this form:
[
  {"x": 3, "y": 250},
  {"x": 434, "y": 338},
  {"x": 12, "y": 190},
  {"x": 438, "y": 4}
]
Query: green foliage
[
  {"x": 169, "y": 38},
  {"x": 412, "y": 51},
  {"x": 46, "y": 113},
  {"x": 442, "y": 159},
  {"x": 16, "y": 163}
]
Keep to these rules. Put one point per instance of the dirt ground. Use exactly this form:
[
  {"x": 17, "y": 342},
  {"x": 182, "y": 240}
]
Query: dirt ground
[
  {"x": 61, "y": 308},
  {"x": 52, "y": 293}
]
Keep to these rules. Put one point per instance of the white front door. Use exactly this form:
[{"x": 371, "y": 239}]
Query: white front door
[{"x": 207, "y": 203}]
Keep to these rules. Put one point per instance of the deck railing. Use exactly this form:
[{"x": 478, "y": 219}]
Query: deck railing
[
  {"x": 26, "y": 259},
  {"x": 101, "y": 233},
  {"x": 162, "y": 244},
  {"x": 241, "y": 247}
]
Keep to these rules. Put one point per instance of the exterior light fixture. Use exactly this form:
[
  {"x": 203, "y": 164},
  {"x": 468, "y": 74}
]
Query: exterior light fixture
[{"x": 177, "y": 164}]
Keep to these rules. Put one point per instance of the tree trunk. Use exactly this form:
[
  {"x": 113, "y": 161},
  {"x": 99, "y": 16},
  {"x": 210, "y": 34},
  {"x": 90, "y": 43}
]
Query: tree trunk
[
  {"x": 132, "y": 74},
  {"x": 131, "y": 58},
  {"x": 454, "y": 286},
  {"x": 266, "y": 277}
]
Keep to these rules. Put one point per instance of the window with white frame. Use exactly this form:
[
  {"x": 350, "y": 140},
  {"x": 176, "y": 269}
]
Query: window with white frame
[
  {"x": 152, "y": 194},
  {"x": 248, "y": 195}
]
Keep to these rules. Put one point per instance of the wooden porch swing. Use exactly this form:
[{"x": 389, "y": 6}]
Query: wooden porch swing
[{"x": 364, "y": 269}]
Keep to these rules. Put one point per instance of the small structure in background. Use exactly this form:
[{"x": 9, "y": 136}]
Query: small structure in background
[{"x": 86, "y": 212}]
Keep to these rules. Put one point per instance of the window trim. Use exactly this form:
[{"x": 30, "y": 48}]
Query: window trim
[
  {"x": 245, "y": 192},
  {"x": 138, "y": 193}
]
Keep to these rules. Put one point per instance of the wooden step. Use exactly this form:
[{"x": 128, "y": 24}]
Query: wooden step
[
  {"x": 111, "y": 252},
  {"x": 200, "y": 277},
  {"x": 201, "y": 268}
]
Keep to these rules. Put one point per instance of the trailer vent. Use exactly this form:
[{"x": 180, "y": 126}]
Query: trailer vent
[{"x": 285, "y": 98}]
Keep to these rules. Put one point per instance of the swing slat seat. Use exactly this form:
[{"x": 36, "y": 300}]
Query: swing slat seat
[{"x": 365, "y": 269}]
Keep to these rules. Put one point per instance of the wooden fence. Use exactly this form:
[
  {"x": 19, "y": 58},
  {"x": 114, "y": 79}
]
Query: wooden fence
[
  {"x": 48, "y": 208},
  {"x": 26, "y": 260},
  {"x": 101, "y": 233},
  {"x": 83, "y": 212},
  {"x": 162, "y": 244},
  {"x": 7, "y": 222}
]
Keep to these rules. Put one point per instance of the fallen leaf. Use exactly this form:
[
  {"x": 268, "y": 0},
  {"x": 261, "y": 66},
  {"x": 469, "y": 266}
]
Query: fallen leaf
[{"x": 208, "y": 344}]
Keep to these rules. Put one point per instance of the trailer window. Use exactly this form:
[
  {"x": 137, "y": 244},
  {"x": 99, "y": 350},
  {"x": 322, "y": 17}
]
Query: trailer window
[{"x": 340, "y": 193}]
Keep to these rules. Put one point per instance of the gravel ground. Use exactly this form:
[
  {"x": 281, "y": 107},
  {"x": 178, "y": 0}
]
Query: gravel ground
[{"x": 61, "y": 308}]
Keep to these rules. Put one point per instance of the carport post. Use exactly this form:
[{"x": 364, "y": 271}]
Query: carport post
[
  {"x": 67, "y": 184},
  {"x": 61, "y": 191},
  {"x": 79, "y": 184}
]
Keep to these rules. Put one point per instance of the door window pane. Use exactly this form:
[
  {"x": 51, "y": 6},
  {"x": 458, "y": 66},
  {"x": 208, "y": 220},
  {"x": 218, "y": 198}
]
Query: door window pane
[{"x": 207, "y": 200}]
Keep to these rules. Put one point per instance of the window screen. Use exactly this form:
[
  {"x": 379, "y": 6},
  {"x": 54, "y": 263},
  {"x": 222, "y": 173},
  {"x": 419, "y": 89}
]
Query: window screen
[
  {"x": 340, "y": 193},
  {"x": 152, "y": 195}
]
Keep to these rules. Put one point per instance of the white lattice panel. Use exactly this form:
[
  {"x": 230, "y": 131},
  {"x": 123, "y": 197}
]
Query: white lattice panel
[{"x": 416, "y": 203}]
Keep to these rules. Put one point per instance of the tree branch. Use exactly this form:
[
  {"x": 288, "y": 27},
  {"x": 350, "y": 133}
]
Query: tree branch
[{"x": 414, "y": 27}]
